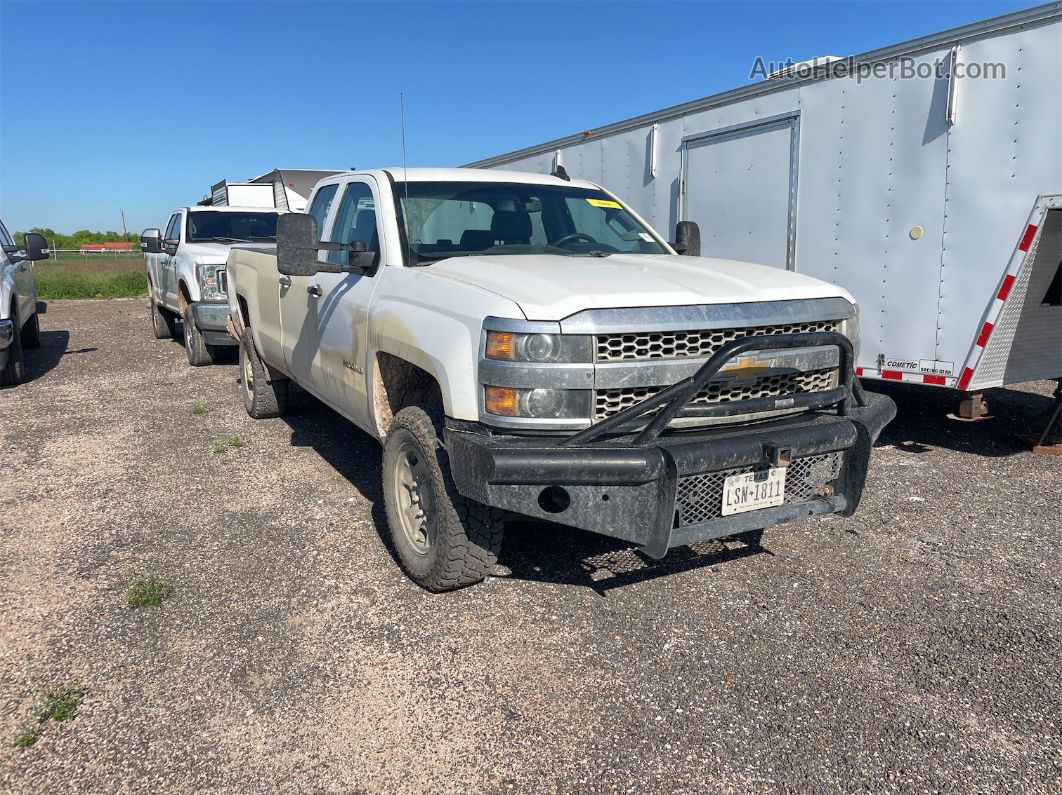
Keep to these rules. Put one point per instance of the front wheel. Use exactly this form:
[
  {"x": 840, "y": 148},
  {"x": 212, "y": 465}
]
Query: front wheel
[
  {"x": 199, "y": 353},
  {"x": 31, "y": 333},
  {"x": 443, "y": 539},
  {"x": 262, "y": 397}
]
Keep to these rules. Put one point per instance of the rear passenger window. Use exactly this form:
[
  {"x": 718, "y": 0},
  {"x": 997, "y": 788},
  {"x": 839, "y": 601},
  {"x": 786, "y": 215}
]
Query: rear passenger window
[{"x": 321, "y": 203}]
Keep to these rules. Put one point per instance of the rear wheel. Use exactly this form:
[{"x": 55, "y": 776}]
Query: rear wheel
[
  {"x": 199, "y": 353},
  {"x": 262, "y": 398},
  {"x": 15, "y": 369},
  {"x": 31, "y": 333},
  {"x": 443, "y": 539},
  {"x": 163, "y": 321}
]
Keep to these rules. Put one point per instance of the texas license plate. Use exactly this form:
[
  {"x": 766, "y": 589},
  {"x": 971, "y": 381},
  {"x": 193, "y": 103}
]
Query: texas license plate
[{"x": 751, "y": 491}]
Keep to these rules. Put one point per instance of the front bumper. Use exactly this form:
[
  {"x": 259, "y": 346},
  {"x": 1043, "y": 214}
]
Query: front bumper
[
  {"x": 654, "y": 495},
  {"x": 211, "y": 320}
]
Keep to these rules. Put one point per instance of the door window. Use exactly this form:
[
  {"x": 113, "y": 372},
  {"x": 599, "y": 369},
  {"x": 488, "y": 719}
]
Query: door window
[
  {"x": 173, "y": 229},
  {"x": 5, "y": 238},
  {"x": 322, "y": 202},
  {"x": 355, "y": 220}
]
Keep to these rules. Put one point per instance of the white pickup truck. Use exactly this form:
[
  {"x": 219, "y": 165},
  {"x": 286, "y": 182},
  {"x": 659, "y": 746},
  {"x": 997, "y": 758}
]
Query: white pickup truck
[
  {"x": 186, "y": 272},
  {"x": 526, "y": 343},
  {"x": 19, "y": 326}
]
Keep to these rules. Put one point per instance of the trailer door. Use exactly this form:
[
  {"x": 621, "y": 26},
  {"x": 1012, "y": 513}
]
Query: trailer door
[{"x": 739, "y": 185}]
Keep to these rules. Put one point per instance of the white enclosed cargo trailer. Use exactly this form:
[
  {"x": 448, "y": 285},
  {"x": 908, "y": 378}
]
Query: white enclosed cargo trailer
[{"x": 925, "y": 178}]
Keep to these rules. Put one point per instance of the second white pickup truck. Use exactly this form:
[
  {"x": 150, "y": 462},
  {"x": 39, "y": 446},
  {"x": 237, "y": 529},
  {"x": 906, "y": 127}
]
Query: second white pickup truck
[
  {"x": 525, "y": 343},
  {"x": 186, "y": 272}
]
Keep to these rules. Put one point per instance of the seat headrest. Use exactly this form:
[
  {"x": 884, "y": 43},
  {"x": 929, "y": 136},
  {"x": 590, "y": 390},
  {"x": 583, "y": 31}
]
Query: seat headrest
[{"x": 512, "y": 226}]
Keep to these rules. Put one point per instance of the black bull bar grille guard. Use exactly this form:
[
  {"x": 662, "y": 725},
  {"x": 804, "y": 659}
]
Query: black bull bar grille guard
[{"x": 623, "y": 481}]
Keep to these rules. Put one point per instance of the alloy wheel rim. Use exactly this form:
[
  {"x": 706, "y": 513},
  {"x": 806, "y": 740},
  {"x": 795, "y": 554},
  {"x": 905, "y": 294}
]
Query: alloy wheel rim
[{"x": 414, "y": 498}]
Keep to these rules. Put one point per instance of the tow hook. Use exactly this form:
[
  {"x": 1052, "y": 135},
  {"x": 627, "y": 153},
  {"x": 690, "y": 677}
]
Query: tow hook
[{"x": 777, "y": 456}]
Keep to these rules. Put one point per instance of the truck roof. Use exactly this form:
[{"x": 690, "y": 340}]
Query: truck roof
[
  {"x": 400, "y": 174},
  {"x": 225, "y": 208}
]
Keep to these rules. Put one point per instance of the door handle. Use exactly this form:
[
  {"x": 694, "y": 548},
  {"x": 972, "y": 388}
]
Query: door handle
[
  {"x": 285, "y": 281},
  {"x": 314, "y": 290}
]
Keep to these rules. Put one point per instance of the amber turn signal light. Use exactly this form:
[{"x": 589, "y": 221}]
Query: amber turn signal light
[
  {"x": 501, "y": 345},
  {"x": 501, "y": 400}
]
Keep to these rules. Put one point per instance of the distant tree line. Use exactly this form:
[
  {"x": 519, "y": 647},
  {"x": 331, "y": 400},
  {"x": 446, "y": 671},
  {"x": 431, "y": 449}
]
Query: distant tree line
[{"x": 60, "y": 241}]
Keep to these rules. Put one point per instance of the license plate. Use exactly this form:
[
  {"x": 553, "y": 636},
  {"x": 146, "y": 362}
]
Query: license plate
[{"x": 751, "y": 491}]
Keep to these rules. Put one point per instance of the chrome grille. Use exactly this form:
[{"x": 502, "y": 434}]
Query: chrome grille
[
  {"x": 612, "y": 401},
  {"x": 700, "y": 497},
  {"x": 688, "y": 344}
]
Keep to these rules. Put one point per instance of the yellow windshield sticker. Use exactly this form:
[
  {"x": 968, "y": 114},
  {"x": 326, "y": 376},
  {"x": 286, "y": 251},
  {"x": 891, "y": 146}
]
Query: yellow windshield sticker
[{"x": 607, "y": 203}]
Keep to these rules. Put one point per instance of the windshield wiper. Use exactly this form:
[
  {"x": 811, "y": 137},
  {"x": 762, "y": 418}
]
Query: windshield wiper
[{"x": 221, "y": 239}]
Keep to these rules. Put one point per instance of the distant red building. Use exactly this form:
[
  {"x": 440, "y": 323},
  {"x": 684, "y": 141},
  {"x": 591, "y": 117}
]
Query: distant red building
[{"x": 99, "y": 248}]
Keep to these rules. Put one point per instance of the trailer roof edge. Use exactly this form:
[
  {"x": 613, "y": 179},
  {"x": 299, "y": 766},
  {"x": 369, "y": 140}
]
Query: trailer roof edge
[{"x": 1026, "y": 17}]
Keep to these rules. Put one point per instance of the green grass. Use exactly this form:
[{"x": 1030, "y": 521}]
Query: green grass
[
  {"x": 198, "y": 409},
  {"x": 146, "y": 589},
  {"x": 78, "y": 285},
  {"x": 236, "y": 442},
  {"x": 28, "y": 737},
  {"x": 222, "y": 446},
  {"x": 60, "y": 703}
]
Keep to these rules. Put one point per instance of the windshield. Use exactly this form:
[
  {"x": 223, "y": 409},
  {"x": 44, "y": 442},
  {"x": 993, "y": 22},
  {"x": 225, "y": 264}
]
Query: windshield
[
  {"x": 460, "y": 219},
  {"x": 229, "y": 227}
]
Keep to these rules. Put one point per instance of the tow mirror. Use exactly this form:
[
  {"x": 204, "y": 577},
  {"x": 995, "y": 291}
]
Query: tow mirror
[
  {"x": 687, "y": 239},
  {"x": 151, "y": 241},
  {"x": 36, "y": 246},
  {"x": 297, "y": 244}
]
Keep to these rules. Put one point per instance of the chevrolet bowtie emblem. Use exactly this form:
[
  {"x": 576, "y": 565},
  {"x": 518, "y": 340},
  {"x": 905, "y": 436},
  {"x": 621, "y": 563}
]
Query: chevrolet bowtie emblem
[{"x": 745, "y": 370}]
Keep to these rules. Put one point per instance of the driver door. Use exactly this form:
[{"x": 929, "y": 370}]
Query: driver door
[{"x": 324, "y": 317}]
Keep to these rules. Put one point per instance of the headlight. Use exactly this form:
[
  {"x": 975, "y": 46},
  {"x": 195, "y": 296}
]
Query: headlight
[
  {"x": 505, "y": 401},
  {"x": 509, "y": 346},
  {"x": 212, "y": 281}
]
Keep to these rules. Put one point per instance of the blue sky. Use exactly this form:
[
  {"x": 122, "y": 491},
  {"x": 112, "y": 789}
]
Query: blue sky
[{"x": 142, "y": 106}]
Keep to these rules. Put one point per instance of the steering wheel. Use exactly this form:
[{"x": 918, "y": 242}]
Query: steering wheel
[{"x": 560, "y": 241}]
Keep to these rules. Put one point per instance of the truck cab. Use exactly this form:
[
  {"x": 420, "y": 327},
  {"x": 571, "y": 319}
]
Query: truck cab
[
  {"x": 186, "y": 272},
  {"x": 19, "y": 323},
  {"x": 526, "y": 343}
]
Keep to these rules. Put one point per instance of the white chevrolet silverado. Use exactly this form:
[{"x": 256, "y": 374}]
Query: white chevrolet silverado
[
  {"x": 526, "y": 343},
  {"x": 19, "y": 325},
  {"x": 186, "y": 272}
]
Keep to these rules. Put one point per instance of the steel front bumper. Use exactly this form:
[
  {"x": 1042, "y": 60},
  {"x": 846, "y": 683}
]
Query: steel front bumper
[
  {"x": 211, "y": 320},
  {"x": 669, "y": 493}
]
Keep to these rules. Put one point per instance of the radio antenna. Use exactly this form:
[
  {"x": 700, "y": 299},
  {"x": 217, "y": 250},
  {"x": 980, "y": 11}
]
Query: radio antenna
[{"x": 405, "y": 174}]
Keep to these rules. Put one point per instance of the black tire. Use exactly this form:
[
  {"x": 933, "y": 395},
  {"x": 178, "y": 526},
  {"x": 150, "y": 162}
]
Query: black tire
[
  {"x": 462, "y": 537},
  {"x": 263, "y": 399},
  {"x": 31, "y": 333},
  {"x": 163, "y": 322},
  {"x": 199, "y": 353},
  {"x": 15, "y": 370}
]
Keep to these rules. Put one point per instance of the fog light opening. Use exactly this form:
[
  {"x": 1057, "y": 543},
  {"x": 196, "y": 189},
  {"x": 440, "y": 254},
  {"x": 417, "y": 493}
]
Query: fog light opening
[{"x": 554, "y": 499}]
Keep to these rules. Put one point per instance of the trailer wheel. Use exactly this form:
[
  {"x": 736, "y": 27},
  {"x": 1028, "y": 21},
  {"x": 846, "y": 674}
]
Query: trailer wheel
[
  {"x": 443, "y": 540},
  {"x": 15, "y": 369},
  {"x": 262, "y": 398},
  {"x": 199, "y": 353},
  {"x": 163, "y": 321}
]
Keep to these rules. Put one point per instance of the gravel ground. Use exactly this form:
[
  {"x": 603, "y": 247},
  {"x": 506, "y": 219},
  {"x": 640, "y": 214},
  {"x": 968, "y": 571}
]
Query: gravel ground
[{"x": 913, "y": 647}]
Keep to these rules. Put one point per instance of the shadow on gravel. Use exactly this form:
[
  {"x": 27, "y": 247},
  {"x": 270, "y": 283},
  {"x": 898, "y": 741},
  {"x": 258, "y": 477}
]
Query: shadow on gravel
[
  {"x": 921, "y": 420},
  {"x": 46, "y": 357}
]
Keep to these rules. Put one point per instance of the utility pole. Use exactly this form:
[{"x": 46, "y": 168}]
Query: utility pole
[{"x": 125, "y": 232}]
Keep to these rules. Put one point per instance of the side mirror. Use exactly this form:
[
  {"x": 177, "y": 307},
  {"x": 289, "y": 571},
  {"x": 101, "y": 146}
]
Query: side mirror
[
  {"x": 169, "y": 247},
  {"x": 36, "y": 246},
  {"x": 687, "y": 239},
  {"x": 151, "y": 241},
  {"x": 297, "y": 244}
]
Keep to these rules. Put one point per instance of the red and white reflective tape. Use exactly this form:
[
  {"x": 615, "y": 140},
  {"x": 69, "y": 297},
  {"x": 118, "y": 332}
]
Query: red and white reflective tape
[
  {"x": 996, "y": 305},
  {"x": 900, "y": 375}
]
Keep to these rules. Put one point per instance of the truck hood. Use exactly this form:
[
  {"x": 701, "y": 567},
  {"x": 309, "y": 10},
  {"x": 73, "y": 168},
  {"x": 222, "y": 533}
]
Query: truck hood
[
  {"x": 552, "y": 287},
  {"x": 209, "y": 253}
]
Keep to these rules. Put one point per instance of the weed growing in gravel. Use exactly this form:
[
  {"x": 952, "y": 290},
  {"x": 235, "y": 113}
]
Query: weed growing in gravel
[
  {"x": 146, "y": 589},
  {"x": 234, "y": 442},
  {"x": 59, "y": 704},
  {"x": 28, "y": 737},
  {"x": 198, "y": 409}
]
